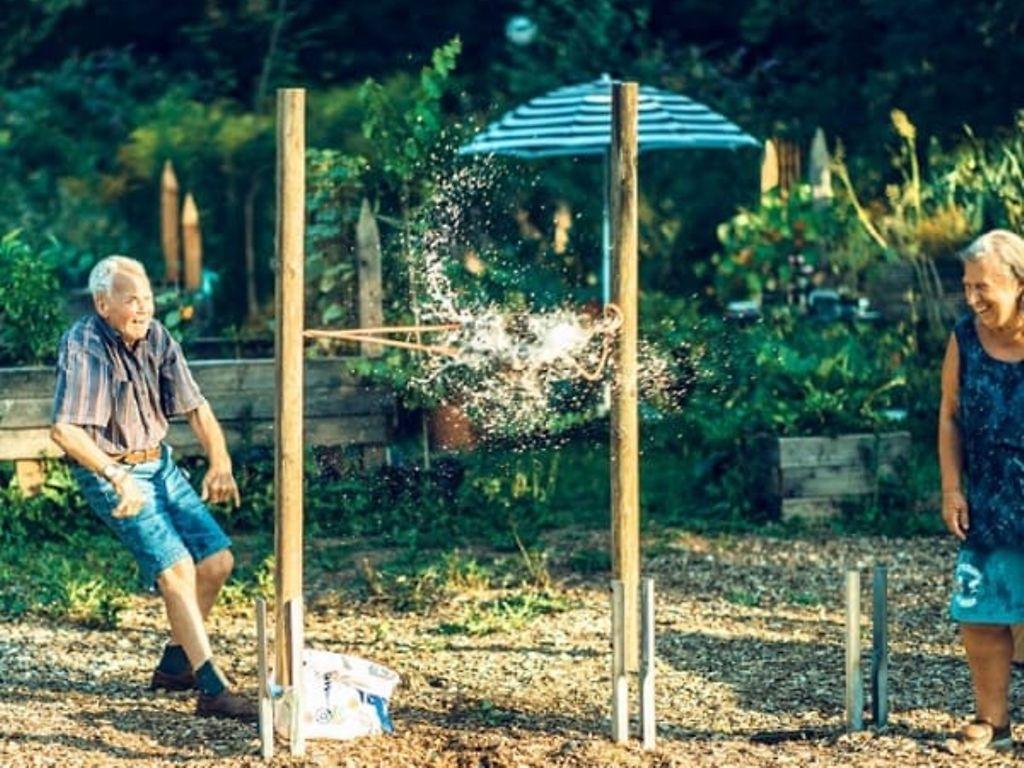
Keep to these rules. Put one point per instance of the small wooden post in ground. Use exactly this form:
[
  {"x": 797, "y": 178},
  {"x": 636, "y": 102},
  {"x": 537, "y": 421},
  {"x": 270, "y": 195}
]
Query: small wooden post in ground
[
  {"x": 266, "y": 704},
  {"x": 648, "y": 718},
  {"x": 880, "y": 647},
  {"x": 620, "y": 679},
  {"x": 854, "y": 699},
  {"x": 170, "y": 241},
  {"x": 288, "y": 342},
  {"x": 625, "y": 431},
  {"x": 192, "y": 244}
]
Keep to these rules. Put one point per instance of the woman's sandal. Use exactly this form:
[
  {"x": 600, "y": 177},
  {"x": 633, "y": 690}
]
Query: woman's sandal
[{"x": 981, "y": 736}]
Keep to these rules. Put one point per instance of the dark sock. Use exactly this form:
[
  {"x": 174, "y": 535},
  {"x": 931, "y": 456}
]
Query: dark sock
[
  {"x": 209, "y": 679},
  {"x": 174, "y": 661}
]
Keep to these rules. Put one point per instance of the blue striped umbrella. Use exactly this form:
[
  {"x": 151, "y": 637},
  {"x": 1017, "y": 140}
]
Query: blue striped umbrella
[{"x": 577, "y": 120}]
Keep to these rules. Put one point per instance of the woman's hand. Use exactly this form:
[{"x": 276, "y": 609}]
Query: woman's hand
[{"x": 955, "y": 514}]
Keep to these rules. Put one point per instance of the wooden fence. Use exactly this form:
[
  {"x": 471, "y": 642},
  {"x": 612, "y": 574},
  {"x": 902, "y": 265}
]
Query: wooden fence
[{"x": 340, "y": 409}]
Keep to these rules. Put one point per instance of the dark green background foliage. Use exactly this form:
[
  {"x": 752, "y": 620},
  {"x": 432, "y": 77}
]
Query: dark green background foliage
[{"x": 97, "y": 93}]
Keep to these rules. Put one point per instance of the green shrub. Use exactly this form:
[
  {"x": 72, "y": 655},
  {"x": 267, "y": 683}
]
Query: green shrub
[{"x": 32, "y": 317}]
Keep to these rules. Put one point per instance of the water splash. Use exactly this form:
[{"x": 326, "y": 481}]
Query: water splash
[{"x": 509, "y": 369}]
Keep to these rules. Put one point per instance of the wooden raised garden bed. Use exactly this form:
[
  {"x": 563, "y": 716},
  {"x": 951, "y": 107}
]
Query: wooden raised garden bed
[{"x": 812, "y": 477}]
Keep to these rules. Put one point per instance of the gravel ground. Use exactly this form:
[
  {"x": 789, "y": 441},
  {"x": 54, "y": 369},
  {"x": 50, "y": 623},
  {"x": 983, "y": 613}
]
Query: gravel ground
[{"x": 750, "y": 673}]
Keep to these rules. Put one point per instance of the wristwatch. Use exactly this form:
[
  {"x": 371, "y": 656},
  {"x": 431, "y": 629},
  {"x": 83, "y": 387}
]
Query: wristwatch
[{"x": 114, "y": 472}]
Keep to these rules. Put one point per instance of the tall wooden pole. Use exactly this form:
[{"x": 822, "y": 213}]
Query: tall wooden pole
[
  {"x": 625, "y": 431},
  {"x": 291, "y": 218}
]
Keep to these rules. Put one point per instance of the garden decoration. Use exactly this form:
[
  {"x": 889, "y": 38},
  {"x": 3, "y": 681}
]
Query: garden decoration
[{"x": 521, "y": 352}]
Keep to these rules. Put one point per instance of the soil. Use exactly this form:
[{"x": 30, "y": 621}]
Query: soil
[{"x": 749, "y": 672}]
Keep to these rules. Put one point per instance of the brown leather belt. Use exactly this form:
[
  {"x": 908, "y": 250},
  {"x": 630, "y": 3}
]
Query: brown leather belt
[{"x": 140, "y": 456}]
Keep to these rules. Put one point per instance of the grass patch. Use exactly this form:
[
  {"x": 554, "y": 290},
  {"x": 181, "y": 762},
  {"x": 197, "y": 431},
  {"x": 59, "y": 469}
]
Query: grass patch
[{"x": 507, "y": 613}]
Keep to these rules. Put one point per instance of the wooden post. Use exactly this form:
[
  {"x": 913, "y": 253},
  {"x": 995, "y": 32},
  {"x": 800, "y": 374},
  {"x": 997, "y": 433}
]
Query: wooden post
[
  {"x": 192, "y": 244},
  {"x": 648, "y": 718},
  {"x": 819, "y": 170},
  {"x": 170, "y": 241},
  {"x": 769, "y": 167},
  {"x": 620, "y": 680},
  {"x": 31, "y": 474},
  {"x": 880, "y": 647},
  {"x": 266, "y": 704},
  {"x": 854, "y": 699},
  {"x": 371, "y": 308},
  {"x": 288, "y": 406},
  {"x": 625, "y": 433},
  {"x": 296, "y": 725}
]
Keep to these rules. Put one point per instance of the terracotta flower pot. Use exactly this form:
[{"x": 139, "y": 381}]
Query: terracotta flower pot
[{"x": 450, "y": 429}]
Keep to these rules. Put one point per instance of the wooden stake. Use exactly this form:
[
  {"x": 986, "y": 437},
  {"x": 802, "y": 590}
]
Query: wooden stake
[
  {"x": 879, "y": 647},
  {"x": 854, "y": 699},
  {"x": 170, "y": 241},
  {"x": 296, "y": 641},
  {"x": 371, "y": 307},
  {"x": 648, "y": 720},
  {"x": 625, "y": 438},
  {"x": 192, "y": 244},
  {"x": 620, "y": 679},
  {"x": 769, "y": 167},
  {"x": 266, "y": 714},
  {"x": 291, "y": 216}
]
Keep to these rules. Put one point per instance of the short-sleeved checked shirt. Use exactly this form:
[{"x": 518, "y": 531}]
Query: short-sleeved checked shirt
[{"x": 122, "y": 397}]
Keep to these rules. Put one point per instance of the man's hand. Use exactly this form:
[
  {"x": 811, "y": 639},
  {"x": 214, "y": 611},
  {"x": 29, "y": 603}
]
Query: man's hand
[
  {"x": 955, "y": 513},
  {"x": 219, "y": 485},
  {"x": 131, "y": 497}
]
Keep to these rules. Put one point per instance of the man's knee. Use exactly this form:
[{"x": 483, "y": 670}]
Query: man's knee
[
  {"x": 217, "y": 567},
  {"x": 178, "y": 579}
]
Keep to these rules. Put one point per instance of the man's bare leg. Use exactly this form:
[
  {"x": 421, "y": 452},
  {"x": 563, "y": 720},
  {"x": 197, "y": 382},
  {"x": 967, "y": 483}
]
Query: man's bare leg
[{"x": 178, "y": 588}]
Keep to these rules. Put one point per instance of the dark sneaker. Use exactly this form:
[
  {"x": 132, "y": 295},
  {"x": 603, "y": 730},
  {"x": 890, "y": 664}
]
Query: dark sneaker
[
  {"x": 226, "y": 704},
  {"x": 979, "y": 736},
  {"x": 165, "y": 681}
]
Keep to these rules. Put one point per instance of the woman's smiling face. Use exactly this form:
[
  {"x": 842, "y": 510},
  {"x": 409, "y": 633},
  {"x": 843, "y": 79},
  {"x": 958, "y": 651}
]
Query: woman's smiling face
[{"x": 992, "y": 292}]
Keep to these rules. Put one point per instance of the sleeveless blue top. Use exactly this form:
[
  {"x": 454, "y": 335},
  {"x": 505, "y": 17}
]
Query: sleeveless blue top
[{"x": 991, "y": 416}]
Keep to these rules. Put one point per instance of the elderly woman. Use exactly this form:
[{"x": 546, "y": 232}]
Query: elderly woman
[{"x": 981, "y": 454}]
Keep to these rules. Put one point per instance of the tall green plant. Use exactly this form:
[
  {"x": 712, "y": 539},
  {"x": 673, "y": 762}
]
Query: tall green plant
[{"x": 32, "y": 313}]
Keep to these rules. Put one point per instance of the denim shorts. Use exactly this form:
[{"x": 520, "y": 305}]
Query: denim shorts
[{"x": 173, "y": 524}]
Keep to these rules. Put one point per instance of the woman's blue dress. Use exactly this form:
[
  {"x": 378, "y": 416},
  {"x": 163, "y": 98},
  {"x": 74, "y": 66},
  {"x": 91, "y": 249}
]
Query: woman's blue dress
[{"x": 989, "y": 578}]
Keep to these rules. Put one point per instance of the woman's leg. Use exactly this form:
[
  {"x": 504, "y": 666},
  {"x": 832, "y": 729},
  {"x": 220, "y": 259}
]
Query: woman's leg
[{"x": 989, "y": 653}]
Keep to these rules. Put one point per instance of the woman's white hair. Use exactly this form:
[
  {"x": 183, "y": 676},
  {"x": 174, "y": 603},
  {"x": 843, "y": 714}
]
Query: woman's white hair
[
  {"x": 1004, "y": 244},
  {"x": 101, "y": 278}
]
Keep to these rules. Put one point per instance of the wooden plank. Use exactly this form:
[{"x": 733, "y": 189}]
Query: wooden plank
[
  {"x": 843, "y": 450},
  {"x": 240, "y": 404},
  {"x": 831, "y": 481},
  {"x": 32, "y": 382},
  {"x": 625, "y": 426},
  {"x": 34, "y": 443}
]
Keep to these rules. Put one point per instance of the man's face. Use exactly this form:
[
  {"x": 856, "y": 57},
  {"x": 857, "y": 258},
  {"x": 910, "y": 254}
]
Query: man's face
[{"x": 129, "y": 307}]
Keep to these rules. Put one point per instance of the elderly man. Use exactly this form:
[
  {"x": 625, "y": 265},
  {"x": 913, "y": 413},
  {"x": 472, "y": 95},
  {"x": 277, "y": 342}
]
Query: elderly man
[{"x": 120, "y": 377}]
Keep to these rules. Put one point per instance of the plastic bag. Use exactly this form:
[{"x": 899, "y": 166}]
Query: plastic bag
[{"x": 343, "y": 697}]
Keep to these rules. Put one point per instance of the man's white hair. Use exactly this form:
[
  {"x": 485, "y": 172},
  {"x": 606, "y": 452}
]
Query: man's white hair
[{"x": 101, "y": 278}]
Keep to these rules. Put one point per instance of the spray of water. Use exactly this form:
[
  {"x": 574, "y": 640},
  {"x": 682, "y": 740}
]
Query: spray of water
[{"x": 508, "y": 369}]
